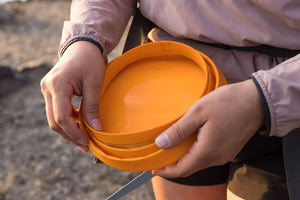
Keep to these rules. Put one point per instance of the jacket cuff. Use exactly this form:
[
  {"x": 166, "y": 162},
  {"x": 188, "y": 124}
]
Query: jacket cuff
[
  {"x": 64, "y": 48},
  {"x": 265, "y": 129},
  {"x": 65, "y": 44}
]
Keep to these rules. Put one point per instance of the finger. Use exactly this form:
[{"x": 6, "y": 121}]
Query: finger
[
  {"x": 50, "y": 117},
  {"x": 201, "y": 155},
  {"x": 183, "y": 168},
  {"x": 62, "y": 111},
  {"x": 187, "y": 165},
  {"x": 90, "y": 104},
  {"x": 55, "y": 127},
  {"x": 181, "y": 130}
]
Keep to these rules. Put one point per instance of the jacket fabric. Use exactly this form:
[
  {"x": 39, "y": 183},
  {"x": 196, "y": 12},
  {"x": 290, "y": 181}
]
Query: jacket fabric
[{"x": 236, "y": 23}]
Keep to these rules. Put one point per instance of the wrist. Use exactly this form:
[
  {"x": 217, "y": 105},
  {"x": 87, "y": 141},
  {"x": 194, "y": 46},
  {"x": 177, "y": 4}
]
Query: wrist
[
  {"x": 80, "y": 39},
  {"x": 255, "y": 100},
  {"x": 83, "y": 47},
  {"x": 265, "y": 128},
  {"x": 83, "y": 55}
]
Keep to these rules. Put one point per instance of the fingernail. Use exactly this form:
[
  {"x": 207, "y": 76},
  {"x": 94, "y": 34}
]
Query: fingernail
[
  {"x": 96, "y": 124},
  {"x": 162, "y": 141}
]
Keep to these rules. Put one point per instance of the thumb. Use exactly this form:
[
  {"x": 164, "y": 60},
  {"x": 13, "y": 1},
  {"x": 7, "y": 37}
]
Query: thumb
[
  {"x": 179, "y": 131},
  {"x": 90, "y": 107}
]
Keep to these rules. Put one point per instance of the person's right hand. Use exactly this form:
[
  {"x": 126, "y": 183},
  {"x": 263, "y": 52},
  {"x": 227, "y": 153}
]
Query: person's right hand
[{"x": 78, "y": 72}]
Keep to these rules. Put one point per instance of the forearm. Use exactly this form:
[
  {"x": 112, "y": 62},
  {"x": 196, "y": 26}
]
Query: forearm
[
  {"x": 98, "y": 21},
  {"x": 280, "y": 87}
]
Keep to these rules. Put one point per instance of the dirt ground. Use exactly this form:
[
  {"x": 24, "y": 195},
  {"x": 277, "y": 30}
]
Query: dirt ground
[{"x": 35, "y": 163}]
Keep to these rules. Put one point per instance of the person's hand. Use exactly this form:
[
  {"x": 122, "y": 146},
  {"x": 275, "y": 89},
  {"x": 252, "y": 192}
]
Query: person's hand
[
  {"x": 78, "y": 72},
  {"x": 224, "y": 120}
]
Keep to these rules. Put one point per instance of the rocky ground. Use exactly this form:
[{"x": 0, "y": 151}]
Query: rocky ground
[{"x": 35, "y": 163}]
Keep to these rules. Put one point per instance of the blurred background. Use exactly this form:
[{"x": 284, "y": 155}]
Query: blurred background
[{"x": 35, "y": 162}]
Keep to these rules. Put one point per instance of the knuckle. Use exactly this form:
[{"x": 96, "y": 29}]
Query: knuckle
[
  {"x": 49, "y": 81},
  {"x": 60, "y": 119},
  {"x": 92, "y": 108},
  {"x": 177, "y": 132},
  {"x": 54, "y": 127},
  {"x": 43, "y": 84},
  {"x": 53, "y": 80},
  {"x": 199, "y": 113},
  {"x": 196, "y": 108}
]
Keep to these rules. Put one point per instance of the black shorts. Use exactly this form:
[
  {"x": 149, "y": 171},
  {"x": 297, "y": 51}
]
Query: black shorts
[{"x": 257, "y": 170}]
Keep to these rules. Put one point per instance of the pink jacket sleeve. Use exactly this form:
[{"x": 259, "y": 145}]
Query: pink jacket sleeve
[
  {"x": 100, "y": 21},
  {"x": 281, "y": 91}
]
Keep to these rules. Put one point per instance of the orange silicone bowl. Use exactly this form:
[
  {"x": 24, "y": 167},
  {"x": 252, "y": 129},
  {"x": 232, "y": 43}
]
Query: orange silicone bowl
[{"x": 144, "y": 92}]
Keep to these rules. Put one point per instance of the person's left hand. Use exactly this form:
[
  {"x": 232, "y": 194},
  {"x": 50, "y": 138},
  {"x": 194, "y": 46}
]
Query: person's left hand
[{"x": 224, "y": 119}]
